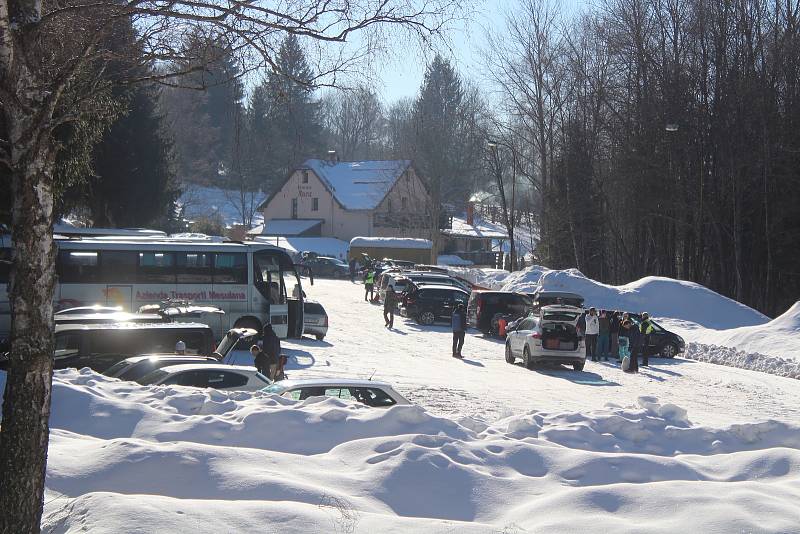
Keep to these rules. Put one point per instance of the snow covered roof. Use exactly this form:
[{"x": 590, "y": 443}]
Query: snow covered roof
[
  {"x": 324, "y": 246},
  {"x": 285, "y": 227},
  {"x": 390, "y": 242},
  {"x": 358, "y": 185},
  {"x": 479, "y": 229}
]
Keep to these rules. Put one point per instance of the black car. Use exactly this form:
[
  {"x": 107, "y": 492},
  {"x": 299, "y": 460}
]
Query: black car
[
  {"x": 328, "y": 267},
  {"x": 426, "y": 304},
  {"x": 486, "y": 308},
  {"x": 662, "y": 343}
]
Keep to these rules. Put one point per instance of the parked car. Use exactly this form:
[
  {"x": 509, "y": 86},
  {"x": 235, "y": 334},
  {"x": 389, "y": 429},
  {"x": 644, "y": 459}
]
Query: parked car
[
  {"x": 663, "y": 343},
  {"x": 325, "y": 266},
  {"x": 389, "y": 263},
  {"x": 215, "y": 376},
  {"x": 551, "y": 335},
  {"x": 99, "y": 346},
  {"x": 371, "y": 393},
  {"x": 315, "y": 319},
  {"x": 136, "y": 367},
  {"x": 485, "y": 308},
  {"x": 100, "y": 317},
  {"x": 548, "y": 298},
  {"x": 426, "y": 304}
]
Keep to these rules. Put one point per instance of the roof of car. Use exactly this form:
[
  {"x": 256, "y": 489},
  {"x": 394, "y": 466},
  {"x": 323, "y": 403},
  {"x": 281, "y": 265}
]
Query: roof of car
[
  {"x": 556, "y": 294},
  {"x": 131, "y": 326},
  {"x": 346, "y": 382},
  {"x": 441, "y": 286},
  {"x": 167, "y": 356},
  {"x": 207, "y": 367}
]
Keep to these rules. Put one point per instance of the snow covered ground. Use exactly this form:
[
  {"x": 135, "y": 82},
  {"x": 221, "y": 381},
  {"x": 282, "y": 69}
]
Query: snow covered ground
[{"x": 489, "y": 447}]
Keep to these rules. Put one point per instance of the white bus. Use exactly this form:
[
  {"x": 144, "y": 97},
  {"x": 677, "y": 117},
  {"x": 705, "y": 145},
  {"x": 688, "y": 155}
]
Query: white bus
[{"x": 251, "y": 282}]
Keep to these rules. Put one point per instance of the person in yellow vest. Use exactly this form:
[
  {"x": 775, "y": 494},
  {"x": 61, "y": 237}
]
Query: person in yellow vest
[{"x": 369, "y": 284}]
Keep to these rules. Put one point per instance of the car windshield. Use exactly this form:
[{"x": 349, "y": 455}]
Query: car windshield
[
  {"x": 276, "y": 389},
  {"x": 560, "y": 316},
  {"x": 152, "y": 378}
]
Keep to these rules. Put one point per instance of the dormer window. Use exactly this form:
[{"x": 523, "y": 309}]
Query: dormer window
[{"x": 305, "y": 177}]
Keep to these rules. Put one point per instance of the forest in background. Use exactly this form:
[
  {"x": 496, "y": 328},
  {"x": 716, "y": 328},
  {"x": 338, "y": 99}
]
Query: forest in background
[{"x": 644, "y": 137}]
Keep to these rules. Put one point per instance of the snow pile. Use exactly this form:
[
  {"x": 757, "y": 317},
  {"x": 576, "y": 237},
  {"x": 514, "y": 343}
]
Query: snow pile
[
  {"x": 742, "y": 359},
  {"x": 780, "y": 337},
  {"x": 452, "y": 259},
  {"x": 390, "y": 242},
  {"x": 660, "y": 296},
  {"x": 172, "y": 459}
]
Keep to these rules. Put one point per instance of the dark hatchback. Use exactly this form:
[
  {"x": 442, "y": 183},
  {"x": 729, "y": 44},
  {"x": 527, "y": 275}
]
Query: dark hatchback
[
  {"x": 663, "y": 343},
  {"x": 486, "y": 308},
  {"x": 427, "y": 304},
  {"x": 323, "y": 266}
]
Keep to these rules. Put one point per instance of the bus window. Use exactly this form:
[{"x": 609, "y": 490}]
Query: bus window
[
  {"x": 193, "y": 267},
  {"x": 156, "y": 268},
  {"x": 230, "y": 268},
  {"x": 77, "y": 266},
  {"x": 117, "y": 266}
]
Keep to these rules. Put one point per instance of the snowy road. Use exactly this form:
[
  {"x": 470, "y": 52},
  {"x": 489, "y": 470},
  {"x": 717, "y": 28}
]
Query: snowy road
[{"x": 416, "y": 359}]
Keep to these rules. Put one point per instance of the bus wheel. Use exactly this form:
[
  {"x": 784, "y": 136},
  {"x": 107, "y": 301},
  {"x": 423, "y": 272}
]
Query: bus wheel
[{"x": 249, "y": 322}]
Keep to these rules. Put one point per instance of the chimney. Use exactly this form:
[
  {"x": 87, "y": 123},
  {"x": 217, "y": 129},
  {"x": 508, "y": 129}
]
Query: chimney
[
  {"x": 470, "y": 213},
  {"x": 332, "y": 157}
]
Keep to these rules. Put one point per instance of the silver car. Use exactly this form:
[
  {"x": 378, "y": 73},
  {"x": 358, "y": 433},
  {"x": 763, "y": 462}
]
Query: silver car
[
  {"x": 315, "y": 320},
  {"x": 551, "y": 336},
  {"x": 369, "y": 392}
]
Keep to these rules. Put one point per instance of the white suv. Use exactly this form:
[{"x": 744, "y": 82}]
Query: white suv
[{"x": 551, "y": 335}]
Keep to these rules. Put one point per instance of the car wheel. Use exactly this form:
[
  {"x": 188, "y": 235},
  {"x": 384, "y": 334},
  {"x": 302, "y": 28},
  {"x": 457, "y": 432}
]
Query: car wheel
[
  {"x": 578, "y": 366},
  {"x": 526, "y": 358},
  {"x": 320, "y": 337},
  {"x": 426, "y": 318},
  {"x": 669, "y": 351},
  {"x": 509, "y": 355}
]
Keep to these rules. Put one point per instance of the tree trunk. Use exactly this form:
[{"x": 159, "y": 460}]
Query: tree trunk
[{"x": 26, "y": 407}]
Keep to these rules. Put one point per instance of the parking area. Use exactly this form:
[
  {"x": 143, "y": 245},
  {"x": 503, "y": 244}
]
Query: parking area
[{"x": 417, "y": 360}]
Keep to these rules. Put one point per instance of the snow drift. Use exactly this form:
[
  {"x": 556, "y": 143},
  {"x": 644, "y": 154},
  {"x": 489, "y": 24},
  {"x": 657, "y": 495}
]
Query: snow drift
[
  {"x": 170, "y": 459},
  {"x": 661, "y": 297}
]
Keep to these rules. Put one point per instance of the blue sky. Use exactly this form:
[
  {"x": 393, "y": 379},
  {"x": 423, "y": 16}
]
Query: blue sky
[{"x": 401, "y": 77}]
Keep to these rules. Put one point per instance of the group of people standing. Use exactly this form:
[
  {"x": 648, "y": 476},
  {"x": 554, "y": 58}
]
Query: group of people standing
[{"x": 612, "y": 334}]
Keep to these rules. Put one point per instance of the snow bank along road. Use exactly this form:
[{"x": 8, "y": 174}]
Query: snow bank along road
[{"x": 416, "y": 359}]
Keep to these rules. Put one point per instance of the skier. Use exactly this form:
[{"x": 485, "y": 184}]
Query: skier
[
  {"x": 592, "y": 330},
  {"x": 389, "y": 303},
  {"x": 646, "y": 328},
  {"x": 459, "y": 324},
  {"x": 369, "y": 284}
]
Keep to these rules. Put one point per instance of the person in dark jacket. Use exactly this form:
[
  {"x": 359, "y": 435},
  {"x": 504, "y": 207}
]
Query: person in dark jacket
[
  {"x": 260, "y": 360},
  {"x": 604, "y": 336},
  {"x": 459, "y": 324},
  {"x": 389, "y": 303},
  {"x": 613, "y": 333},
  {"x": 353, "y": 270},
  {"x": 631, "y": 331},
  {"x": 272, "y": 348},
  {"x": 646, "y": 328}
]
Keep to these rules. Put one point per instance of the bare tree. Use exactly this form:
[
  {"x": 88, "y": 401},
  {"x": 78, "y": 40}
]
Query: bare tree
[
  {"x": 355, "y": 121},
  {"x": 50, "y": 56}
]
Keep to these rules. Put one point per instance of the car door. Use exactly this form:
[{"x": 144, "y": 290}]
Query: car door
[{"x": 525, "y": 329}]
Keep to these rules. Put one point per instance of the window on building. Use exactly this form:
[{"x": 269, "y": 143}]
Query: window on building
[
  {"x": 315, "y": 204},
  {"x": 294, "y": 208},
  {"x": 305, "y": 177}
]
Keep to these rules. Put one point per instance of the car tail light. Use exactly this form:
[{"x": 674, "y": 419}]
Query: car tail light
[
  {"x": 536, "y": 335},
  {"x": 325, "y": 321}
]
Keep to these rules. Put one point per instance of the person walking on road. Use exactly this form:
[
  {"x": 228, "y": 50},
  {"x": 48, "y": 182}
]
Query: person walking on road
[
  {"x": 592, "y": 330},
  {"x": 646, "y": 328},
  {"x": 459, "y": 324},
  {"x": 389, "y": 303},
  {"x": 631, "y": 333},
  {"x": 603, "y": 336},
  {"x": 369, "y": 284}
]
